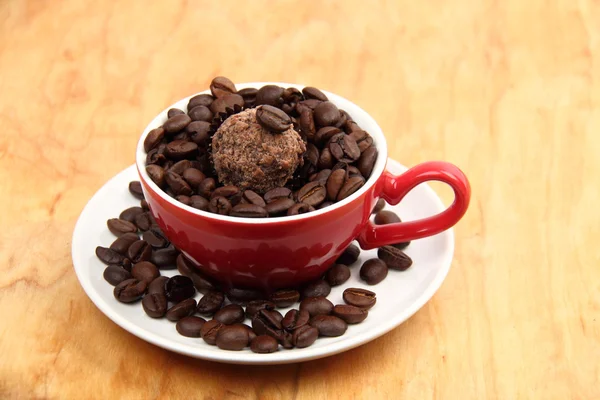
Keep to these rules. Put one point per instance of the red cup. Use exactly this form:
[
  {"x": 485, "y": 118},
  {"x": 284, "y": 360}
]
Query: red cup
[{"x": 272, "y": 253}]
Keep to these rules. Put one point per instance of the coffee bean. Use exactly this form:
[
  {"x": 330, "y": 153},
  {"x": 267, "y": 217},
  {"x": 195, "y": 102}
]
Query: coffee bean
[
  {"x": 325, "y": 159},
  {"x": 153, "y": 138},
  {"x": 156, "y": 157},
  {"x": 130, "y": 213},
  {"x": 336, "y": 180},
  {"x": 362, "y": 139},
  {"x": 199, "y": 202},
  {"x": 342, "y": 120},
  {"x": 184, "y": 199},
  {"x": 135, "y": 188},
  {"x": 268, "y": 322},
  {"x": 291, "y": 95},
  {"x": 249, "y": 211},
  {"x": 307, "y": 123},
  {"x": 114, "y": 274},
  {"x": 155, "y": 305},
  {"x": 178, "y": 184},
  {"x": 210, "y": 303},
  {"x": 209, "y": 331},
  {"x": 229, "y": 192},
  {"x": 344, "y": 148},
  {"x": 183, "y": 136},
  {"x": 349, "y": 256},
  {"x": 176, "y": 123},
  {"x": 181, "y": 310},
  {"x": 193, "y": 177},
  {"x": 234, "y": 337},
  {"x": 329, "y": 325},
  {"x": 316, "y": 289},
  {"x": 304, "y": 336},
  {"x": 325, "y": 134},
  {"x": 109, "y": 256},
  {"x": 119, "y": 227},
  {"x": 200, "y": 100},
  {"x": 144, "y": 205},
  {"x": 155, "y": 238},
  {"x": 378, "y": 206},
  {"x": 361, "y": 298},
  {"x": 310, "y": 92},
  {"x": 386, "y": 217},
  {"x": 157, "y": 174},
  {"x": 122, "y": 243},
  {"x": 190, "y": 326},
  {"x": 249, "y": 96},
  {"x": 145, "y": 271},
  {"x": 180, "y": 166},
  {"x": 273, "y": 119},
  {"x": 219, "y": 205},
  {"x": 350, "y": 186},
  {"x": 200, "y": 113},
  {"x": 300, "y": 208},
  {"x": 279, "y": 206},
  {"x": 307, "y": 104},
  {"x": 313, "y": 193},
  {"x": 129, "y": 290},
  {"x": 179, "y": 288},
  {"x": 222, "y": 86},
  {"x": 173, "y": 112},
  {"x": 350, "y": 314},
  {"x": 366, "y": 162},
  {"x": 186, "y": 268},
  {"x": 180, "y": 149},
  {"x": 254, "y": 306},
  {"x": 253, "y": 198},
  {"x": 337, "y": 274},
  {"x": 353, "y": 171},
  {"x": 277, "y": 193},
  {"x": 394, "y": 258},
  {"x": 373, "y": 271},
  {"x": 139, "y": 251},
  {"x": 326, "y": 114},
  {"x": 206, "y": 187},
  {"x": 264, "y": 344},
  {"x": 243, "y": 295},
  {"x": 143, "y": 221},
  {"x": 230, "y": 314},
  {"x": 294, "y": 319},
  {"x": 198, "y": 131},
  {"x": 165, "y": 258},
  {"x": 285, "y": 297},
  {"x": 158, "y": 285},
  {"x": 316, "y": 306},
  {"x": 270, "y": 95}
]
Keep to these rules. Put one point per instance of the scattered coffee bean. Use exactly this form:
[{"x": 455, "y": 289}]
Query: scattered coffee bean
[
  {"x": 337, "y": 274},
  {"x": 254, "y": 306},
  {"x": 143, "y": 221},
  {"x": 329, "y": 325},
  {"x": 268, "y": 322},
  {"x": 273, "y": 119},
  {"x": 219, "y": 205},
  {"x": 316, "y": 306},
  {"x": 234, "y": 337},
  {"x": 153, "y": 139},
  {"x": 378, "y": 206},
  {"x": 386, "y": 217},
  {"x": 181, "y": 310},
  {"x": 155, "y": 305},
  {"x": 190, "y": 326},
  {"x": 201, "y": 113},
  {"x": 144, "y": 205},
  {"x": 350, "y": 314},
  {"x": 145, "y": 271},
  {"x": 174, "y": 111},
  {"x": 155, "y": 238},
  {"x": 361, "y": 298},
  {"x": 176, "y": 123},
  {"x": 114, "y": 274},
  {"x": 304, "y": 336},
  {"x": 186, "y": 268},
  {"x": 119, "y": 227},
  {"x": 222, "y": 86},
  {"x": 135, "y": 188},
  {"x": 200, "y": 100},
  {"x": 349, "y": 256},
  {"x": 158, "y": 285},
  {"x": 230, "y": 314},
  {"x": 310, "y": 92},
  {"x": 316, "y": 289},
  {"x": 294, "y": 319},
  {"x": 129, "y": 290},
  {"x": 394, "y": 258},
  {"x": 209, "y": 331},
  {"x": 210, "y": 303},
  {"x": 165, "y": 258},
  {"x": 109, "y": 256},
  {"x": 122, "y": 243},
  {"x": 264, "y": 344},
  {"x": 139, "y": 251},
  {"x": 130, "y": 213},
  {"x": 285, "y": 297},
  {"x": 373, "y": 271},
  {"x": 243, "y": 296},
  {"x": 269, "y": 95},
  {"x": 179, "y": 288}
]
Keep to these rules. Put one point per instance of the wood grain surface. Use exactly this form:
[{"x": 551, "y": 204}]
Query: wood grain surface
[{"x": 507, "y": 90}]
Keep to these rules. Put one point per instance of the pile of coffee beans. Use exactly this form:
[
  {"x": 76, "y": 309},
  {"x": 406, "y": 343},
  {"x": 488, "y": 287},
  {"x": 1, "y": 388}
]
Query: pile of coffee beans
[
  {"x": 338, "y": 160},
  {"x": 237, "y": 318}
]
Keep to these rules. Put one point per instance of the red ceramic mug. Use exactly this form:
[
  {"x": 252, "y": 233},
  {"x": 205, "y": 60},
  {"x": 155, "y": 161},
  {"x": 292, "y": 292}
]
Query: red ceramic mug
[{"x": 272, "y": 253}]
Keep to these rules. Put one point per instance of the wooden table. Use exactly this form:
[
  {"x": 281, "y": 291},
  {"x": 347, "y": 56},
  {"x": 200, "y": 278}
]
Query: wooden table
[{"x": 508, "y": 90}]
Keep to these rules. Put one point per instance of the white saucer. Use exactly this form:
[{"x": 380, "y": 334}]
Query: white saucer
[{"x": 399, "y": 296}]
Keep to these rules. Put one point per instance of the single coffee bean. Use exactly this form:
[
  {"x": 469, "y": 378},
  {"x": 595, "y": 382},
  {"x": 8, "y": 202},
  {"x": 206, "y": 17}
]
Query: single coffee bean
[
  {"x": 145, "y": 271},
  {"x": 219, "y": 205},
  {"x": 300, "y": 208},
  {"x": 180, "y": 149},
  {"x": 270, "y": 95},
  {"x": 329, "y": 325},
  {"x": 183, "y": 309},
  {"x": 122, "y": 243},
  {"x": 144, "y": 205},
  {"x": 178, "y": 184},
  {"x": 316, "y": 306},
  {"x": 153, "y": 139},
  {"x": 190, "y": 326},
  {"x": 193, "y": 177},
  {"x": 234, "y": 337},
  {"x": 352, "y": 185},
  {"x": 310, "y": 92},
  {"x": 139, "y": 251},
  {"x": 373, "y": 271},
  {"x": 323, "y": 175},
  {"x": 228, "y": 192},
  {"x": 183, "y": 136},
  {"x": 209, "y": 331},
  {"x": 109, "y": 256},
  {"x": 268, "y": 322},
  {"x": 326, "y": 114},
  {"x": 362, "y": 139},
  {"x": 210, "y": 303},
  {"x": 349, "y": 256},
  {"x": 366, "y": 162},
  {"x": 285, "y": 338},
  {"x": 378, "y": 206},
  {"x": 394, "y": 258},
  {"x": 294, "y": 319},
  {"x": 199, "y": 202},
  {"x": 201, "y": 113},
  {"x": 130, "y": 213},
  {"x": 243, "y": 295},
  {"x": 273, "y": 119},
  {"x": 222, "y": 86},
  {"x": 119, "y": 227},
  {"x": 254, "y": 306},
  {"x": 249, "y": 96},
  {"x": 156, "y": 156},
  {"x": 350, "y": 314},
  {"x": 180, "y": 166},
  {"x": 206, "y": 187},
  {"x": 179, "y": 288},
  {"x": 184, "y": 199},
  {"x": 307, "y": 123},
  {"x": 135, "y": 188},
  {"x": 143, "y": 221},
  {"x": 186, "y": 268},
  {"x": 353, "y": 171},
  {"x": 285, "y": 297},
  {"x": 311, "y": 156},
  {"x": 304, "y": 336},
  {"x": 279, "y": 206},
  {"x": 200, "y": 100},
  {"x": 337, "y": 274},
  {"x": 249, "y": 211},
  {"x": 157, "y": 174},
  {"x": 386, "y": 217},
  {"x": 277, "y": 193},
  {"x": 115, "y": 274},
  {"x": 174, "y": 111},
  {"x": 253, "y": 198},
  {"x": 310, "y": 104},
  {"x": 313, "y": 193},
  {"x": 230, "y": 314},
  {"x": 155, "y": 305},
  {"x": 343, "y": 148},
  {"x": 325, "y": 134},
  {"x": 129, "y": 290},
  {"x": 335, "y": 182},
  {"x": 264, "y": 344},
  {"x": 165, "y": 258},
  {"x": 316, "y": 289},
  {"x": 361, "y": 298},
  {"x": 158, "y": 285},
  {"x": 176, "y": 123},
  {"x": 198, "y": 131},
  {"x": 155, "y": 238}
]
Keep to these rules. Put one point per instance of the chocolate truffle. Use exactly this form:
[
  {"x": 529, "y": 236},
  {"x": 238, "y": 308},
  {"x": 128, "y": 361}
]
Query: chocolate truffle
[{"x": 248, "y": 156}]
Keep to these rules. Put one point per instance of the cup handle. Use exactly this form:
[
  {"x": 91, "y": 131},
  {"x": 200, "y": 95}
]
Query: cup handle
[{"x": 395, "y": 187}]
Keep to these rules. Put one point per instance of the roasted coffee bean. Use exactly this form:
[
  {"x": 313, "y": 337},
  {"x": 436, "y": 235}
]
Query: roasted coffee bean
[
  {"x": 294, "y": 319},
  {"x": 353, "y": 171},
  {"x": 362, "y": 139},
  {"x": 251, "y": 334},
  {"x": 386, "y": 217},
  {"x": 349, "y": 256},
  {"x": 219, "y": 205},
  {"x": 200, "y": 100},
  {"x": 201, "y": 113},
  {"x": 394, "y": 258},
  {"x": 230, "y": 314},
  {"x": 316, "y": 289},
  {"x": 335, "y": 182},
  {"x": 300, "y": 208},
  {"x": 304, "y": 336},
  {"x": 285, "y": 297},
  {"x": 139, "y": 251},
  {"x": 209, "y": 331},
  {"x": 307, "y": 123},
  {"x": 144, "y": 205},
  {"x": 165, "y": 258},
  {"x": 122, "y": 243},
  {"x": 243, "y": 296},
  {"x": 155, "y": 305},
  {"x": 277, "y": 193},
  {"x": 176, "y": 123},
  {"x": 373, "y": 271},
  {"x": 228, "y": 192},
  {"x": 264, "y": 344},
  {"x": 198, "y": 131},
  {"x": 326, "y": 114},
  {"x": 361, "y": 298},
  {"x": 253, "y": 198},
  {"x": 350, "y": 186},
  {"x": 135, "y": 188},
  {"x": 378, "y": 206},
  {"x": 119, "y": 227},
  {"x": 183, "y": 309},
  {"x": 279, "y": 206},
  {"x": 350, "y": 314},
  {"x": 316, "y": 306},
  {"x": 186, "y": 268},
  {"x": 254, "y": 306},
  {"x": 180, "y": 149},
  {"x": 130, "y": 213},
  {"x": 145, "y": 271},
  {"x": 178, "y": 184},
  {"x": 190, "y": 326},
  {"x": 234, "y": 337},
  {"x": 291, "y": 96},
  {"x": 325, "y": 134},
  {"x": 285, "y": 338},
  {"x": 267, "y": 322},
  {"x": 270, "y": 95},
  {"x": 325, "y": 159},
  {"x": 310, "y": 92},
  {"x": 143, "y": 221},
  {"x": 179, "y": 288},
  {"x": 193, "y": 177},
  {"x": 329, "y": 325},
  {"x": 155, "y": 238},
  {"x": 313, "y": 193},
  {"x": 109, "y": 256},
  {"x": 199, "y": 202},
  {"x": 311, "y": 156},
  {"x": 156, "y": 157},
  {"x": 337, "y": 274},
  {"x": 184, "y": 199},
  {"x": 249, "y": 211},
  {"x": 129, "y": 290},
  {"x": 158, "y": 285},
  {"x": 366, "y": 162},
  {"x": 342, "y": 120},
  {"x": 343, "y": 148},
  {"x": 273, "y": 119},
  {"x": 115, "y": 274},
  {"x": 157, "y": 174},
  {"x": 308, "y": 103},
  {"x": 153, "y": 138},
  {"x": 174, "y": 111},
  {"x": 222, "y": 86},
  {"x": 210, "y": 303},
  {"x": 183, "y": 135},
  {"x": 249, "y": 96},
  {"x": 206, "y": 187}
]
